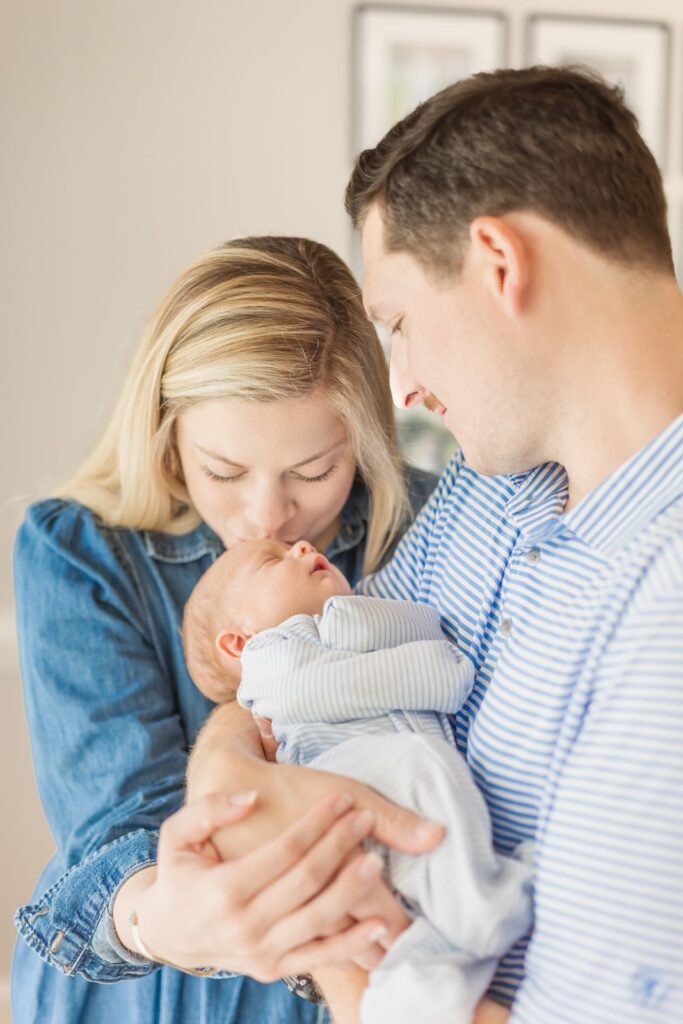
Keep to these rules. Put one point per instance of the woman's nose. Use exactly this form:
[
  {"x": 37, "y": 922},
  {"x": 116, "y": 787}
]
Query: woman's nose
[
  {"x": 268, "y": 511},
  {"x": 404, "y": 391}
]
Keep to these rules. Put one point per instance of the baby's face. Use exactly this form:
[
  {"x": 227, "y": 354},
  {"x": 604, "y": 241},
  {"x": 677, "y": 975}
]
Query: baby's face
[{"x": 270, "y": 581}]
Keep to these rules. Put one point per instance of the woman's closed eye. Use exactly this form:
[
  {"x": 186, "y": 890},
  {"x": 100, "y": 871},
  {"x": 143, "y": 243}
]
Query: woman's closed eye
[
  {"x": 316, "y": 479},
  {"x": 297, "y": 476},
  {"x": 220, "y": 479}
]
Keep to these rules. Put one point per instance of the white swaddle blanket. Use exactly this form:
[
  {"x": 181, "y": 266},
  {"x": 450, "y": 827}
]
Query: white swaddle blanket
[{"x": 364, "y": 690}]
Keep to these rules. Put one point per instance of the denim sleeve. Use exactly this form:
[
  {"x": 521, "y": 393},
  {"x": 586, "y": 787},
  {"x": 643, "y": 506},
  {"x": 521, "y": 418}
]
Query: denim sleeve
[{"x": 108, "y": 744}]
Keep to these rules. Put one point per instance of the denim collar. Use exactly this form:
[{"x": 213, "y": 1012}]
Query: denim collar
[
  {"x": 188, "y": 547},
  {"x": 182, "y": 547},
  {"x": 354, "y": 517}
]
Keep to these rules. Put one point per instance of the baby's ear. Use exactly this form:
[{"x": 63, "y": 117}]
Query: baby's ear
[{"x": 231, "y": 643}]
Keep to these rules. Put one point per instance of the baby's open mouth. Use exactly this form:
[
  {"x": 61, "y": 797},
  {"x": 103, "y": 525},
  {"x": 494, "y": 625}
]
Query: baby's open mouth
[{"x": 319, "y": 562}]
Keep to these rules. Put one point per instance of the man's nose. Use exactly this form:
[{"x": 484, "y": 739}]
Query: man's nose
[{"x": 404, "y": 391}]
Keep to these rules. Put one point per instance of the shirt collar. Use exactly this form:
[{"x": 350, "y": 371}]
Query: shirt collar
[
  {"x": 354, "y": 517},
  {"x": 615, "y": 511},
  {"x": 538, "y": 499},
  {"x": 182, "y": 547}
]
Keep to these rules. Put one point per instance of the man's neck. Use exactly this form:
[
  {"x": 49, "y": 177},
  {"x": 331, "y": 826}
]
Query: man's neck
[{"x": 626, "y": 386}]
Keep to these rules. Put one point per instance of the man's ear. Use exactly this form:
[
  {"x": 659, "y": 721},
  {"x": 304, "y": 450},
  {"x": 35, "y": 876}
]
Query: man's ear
[
  {"x": 231, "y": 643},
  {"x": 501, "y": 250}
]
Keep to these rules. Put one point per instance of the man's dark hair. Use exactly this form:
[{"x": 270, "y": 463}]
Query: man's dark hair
[{"x": 559, "y": 142}]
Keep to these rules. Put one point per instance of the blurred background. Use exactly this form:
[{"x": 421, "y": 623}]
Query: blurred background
[{"x": 136, "y": 135}]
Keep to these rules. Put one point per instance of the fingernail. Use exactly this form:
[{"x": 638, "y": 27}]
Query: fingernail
[
  {"x": 362, "y": 823},
  {"x": 343, "y": 804},
  {"x": 428, "y": 830},
  {"x": 243, "y": 799},
  {"x": 371, "y": 867},
  {"x": 377, "y": 934}
]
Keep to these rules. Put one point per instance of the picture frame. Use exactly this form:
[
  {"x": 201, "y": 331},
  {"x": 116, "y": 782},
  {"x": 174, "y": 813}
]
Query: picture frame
[
  {"x": 403, "y": 55},
  {"x": 632, "y": 53}
]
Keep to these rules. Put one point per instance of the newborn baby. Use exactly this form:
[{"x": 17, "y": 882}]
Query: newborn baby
[{"x": 363, "y": 687}]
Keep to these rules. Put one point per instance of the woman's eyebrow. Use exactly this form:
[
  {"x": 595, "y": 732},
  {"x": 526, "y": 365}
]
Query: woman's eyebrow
[
  {"x": 319, "y": 455},
  {"x": 219, "y": 458},
  {"x": 298, "y": 465}
]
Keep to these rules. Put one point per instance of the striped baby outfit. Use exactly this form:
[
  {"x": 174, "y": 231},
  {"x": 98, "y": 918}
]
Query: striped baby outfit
[{"x": 365, "y": 690}]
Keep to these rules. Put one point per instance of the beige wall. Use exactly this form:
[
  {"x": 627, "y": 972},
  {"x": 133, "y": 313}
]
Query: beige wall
[{"x": 134, "y": 136}]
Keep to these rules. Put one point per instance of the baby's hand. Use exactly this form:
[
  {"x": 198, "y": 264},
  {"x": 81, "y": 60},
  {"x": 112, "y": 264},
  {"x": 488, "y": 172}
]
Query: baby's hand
[{"x": 268, "y": 741}]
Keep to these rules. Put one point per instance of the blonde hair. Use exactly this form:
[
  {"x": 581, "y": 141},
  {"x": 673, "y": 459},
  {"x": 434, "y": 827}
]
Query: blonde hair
[{"x": 266, "y": 319}]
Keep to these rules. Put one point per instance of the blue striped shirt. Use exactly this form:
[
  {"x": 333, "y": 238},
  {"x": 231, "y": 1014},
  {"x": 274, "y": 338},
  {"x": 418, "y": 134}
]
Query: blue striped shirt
[{"x": 574, "y": 726}]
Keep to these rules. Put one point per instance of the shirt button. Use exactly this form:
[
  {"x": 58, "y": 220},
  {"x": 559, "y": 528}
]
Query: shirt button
[
  {"x": 506, "y": 627},
  {"x": 533, "y": 556}
]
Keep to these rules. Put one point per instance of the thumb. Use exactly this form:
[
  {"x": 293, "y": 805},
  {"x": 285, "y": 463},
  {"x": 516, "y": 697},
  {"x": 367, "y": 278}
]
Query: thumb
[
  {"x": 403, "y": 830},
  {"x": 195, "y": 823},
  {"x": 268, "y": 742}
]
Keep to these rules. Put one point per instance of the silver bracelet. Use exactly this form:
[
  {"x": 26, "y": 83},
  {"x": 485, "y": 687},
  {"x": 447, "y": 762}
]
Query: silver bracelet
[{"x": 202, "y": 972}]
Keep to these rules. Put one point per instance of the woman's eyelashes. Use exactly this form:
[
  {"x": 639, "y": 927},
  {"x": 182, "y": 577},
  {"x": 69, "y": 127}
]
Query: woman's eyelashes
[
  {"x": 297, "y": 476},
  {"x": 317, "y": 479},
  {"x": 220, "y": 479}
]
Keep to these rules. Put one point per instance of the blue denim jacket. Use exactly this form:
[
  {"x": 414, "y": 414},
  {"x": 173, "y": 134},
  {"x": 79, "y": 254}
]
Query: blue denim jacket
[{"x": 112, "y": 712}]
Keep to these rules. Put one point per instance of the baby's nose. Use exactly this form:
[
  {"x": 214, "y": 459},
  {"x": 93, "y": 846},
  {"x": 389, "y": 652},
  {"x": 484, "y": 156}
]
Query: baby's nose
[{"x": 301, "y": 548}]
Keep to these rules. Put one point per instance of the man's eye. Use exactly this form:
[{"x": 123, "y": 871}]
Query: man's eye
[{"x": 220, "y": 479}]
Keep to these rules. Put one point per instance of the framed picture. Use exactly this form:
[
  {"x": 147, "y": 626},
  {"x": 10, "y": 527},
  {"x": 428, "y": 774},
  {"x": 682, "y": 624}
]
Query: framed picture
[
  {"x": 402, "y": 55},
  {"x": 633, "y": 54}
]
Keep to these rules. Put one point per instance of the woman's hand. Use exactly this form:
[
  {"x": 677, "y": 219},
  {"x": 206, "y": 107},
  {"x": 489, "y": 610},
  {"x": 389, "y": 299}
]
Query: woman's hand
[
  {"x": 229, "y": 752},
  {"x": 286, "y": 793},
  {"x": 259, "y": 914},
  {"x": 268, "y": 741}
]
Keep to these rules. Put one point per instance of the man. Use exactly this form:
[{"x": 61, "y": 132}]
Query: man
[
  {"x": 515, "y": 245},
  {"x": 516, "y": 248}
]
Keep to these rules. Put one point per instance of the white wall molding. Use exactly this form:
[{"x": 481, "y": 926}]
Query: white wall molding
[
  {"x": 9, "y": 657},
  {"x": 5, "y": 1017}
]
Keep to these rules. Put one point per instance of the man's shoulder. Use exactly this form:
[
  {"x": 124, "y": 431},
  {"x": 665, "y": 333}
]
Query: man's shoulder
[
  {"x": 423, "y": 485},
  {"x": 662, "y": 579},
  {"x": 649, "y": 631},
  {"x": 420, "y": 484}
]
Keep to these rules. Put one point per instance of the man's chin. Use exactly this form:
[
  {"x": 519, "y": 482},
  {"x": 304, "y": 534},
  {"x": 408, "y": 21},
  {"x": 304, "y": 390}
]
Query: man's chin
[{"x": 501, "y": 465}]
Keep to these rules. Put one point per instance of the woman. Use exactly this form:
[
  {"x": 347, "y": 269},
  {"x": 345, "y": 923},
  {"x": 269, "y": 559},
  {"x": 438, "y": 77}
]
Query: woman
[{"x": 257, "y": 405}]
